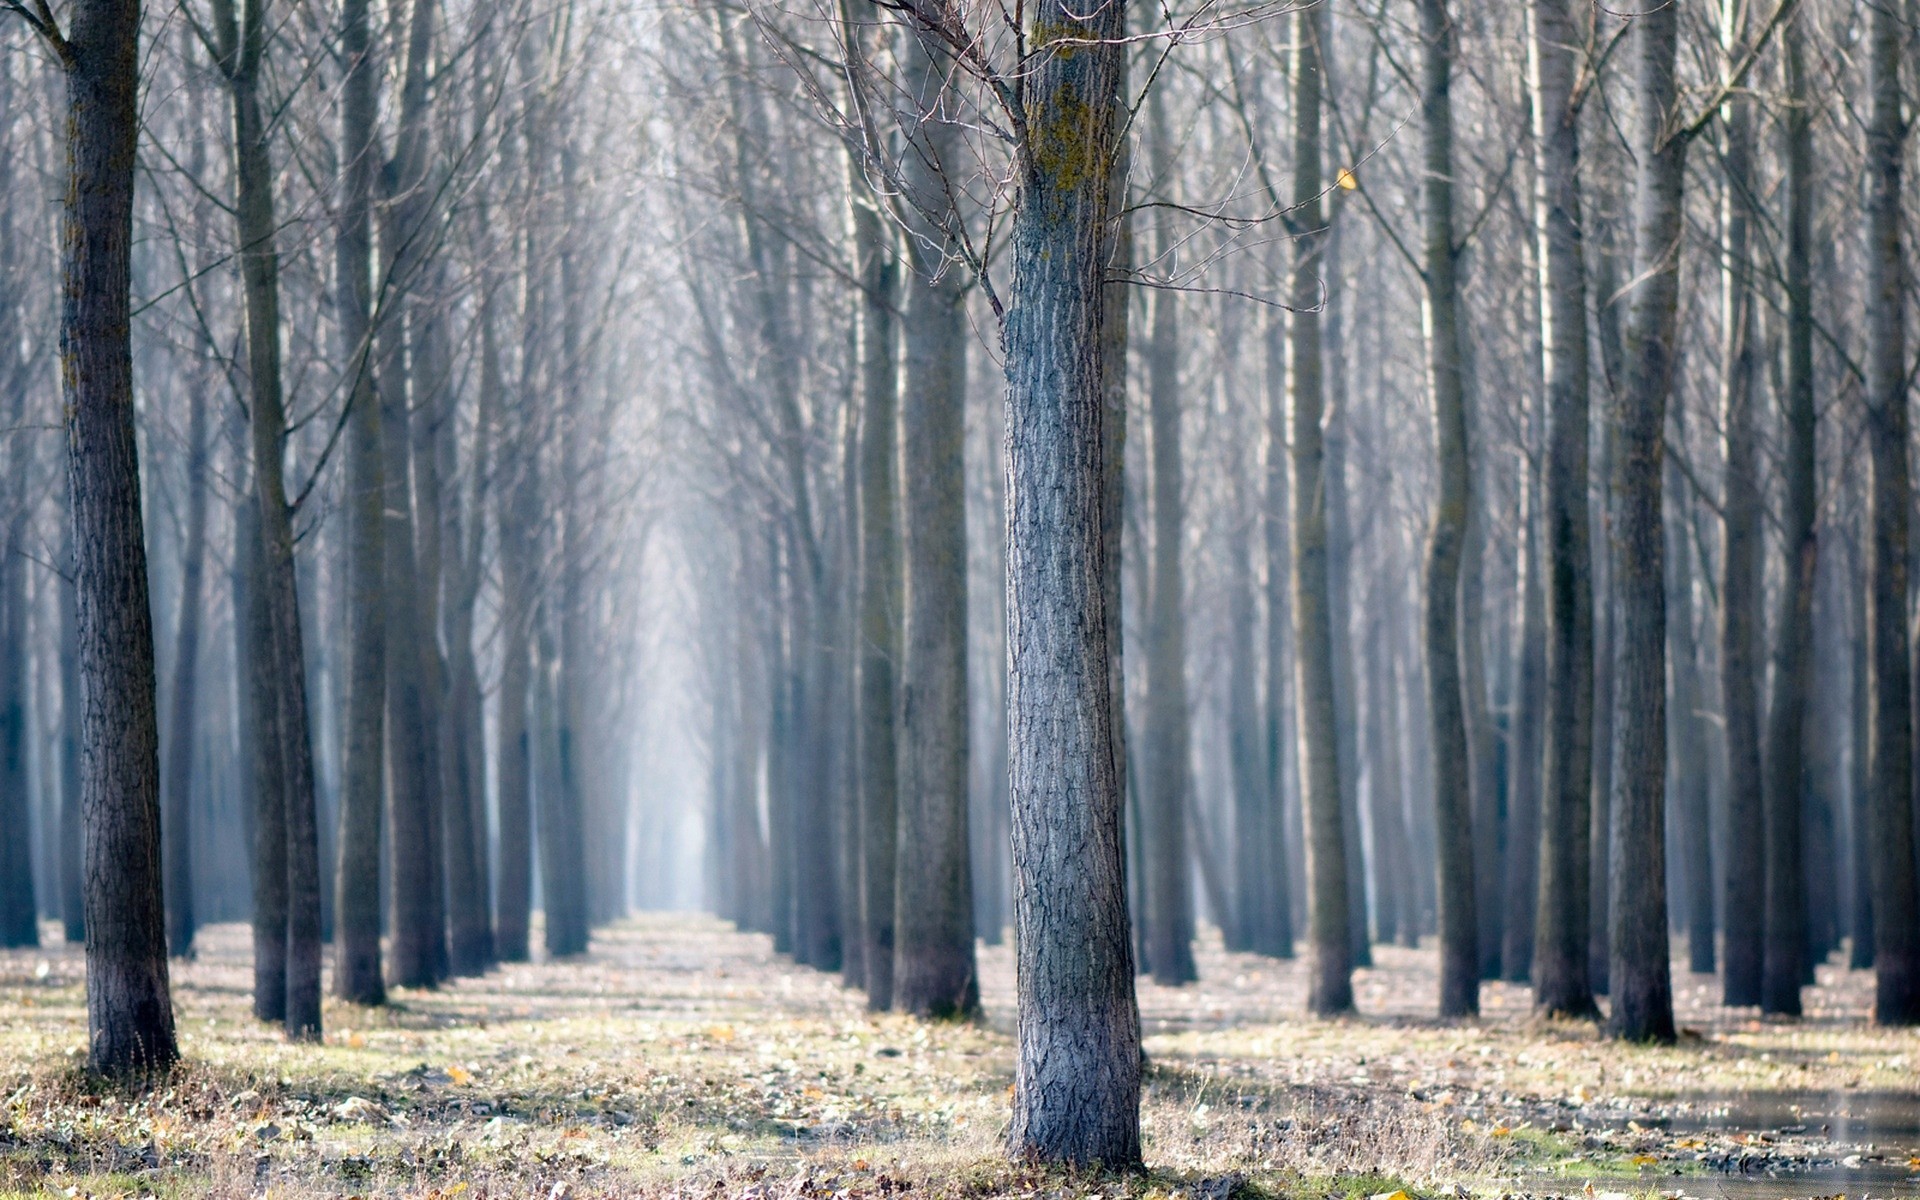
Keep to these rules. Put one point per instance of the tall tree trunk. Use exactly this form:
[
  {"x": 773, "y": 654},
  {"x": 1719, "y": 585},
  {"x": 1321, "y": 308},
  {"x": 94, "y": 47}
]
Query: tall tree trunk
[
  {"x": 1642, "y": 986},
  {"x": 1330, "y": 979},
  {"x": 266, "y": 767},
  {"x": 1165, "y": 741},
  {"x": 1687, "y": 727},
  {"x": 880, "y": 602},
  {"x": 1860, "y": 901},
  {"x": 1077, "y": 1077},
  {"x": 1561, "y": 983},
  {"x": 242, "y": 44},
  {"x": 1276, "y": 527},
  {"x": 1606, "y": 621},
  {"x": 356, "y": 975},
  {"x": 177, "y": 827},
  {"x": 933, "y": 971},
  {"x": 129, "y": 1011},
  {"x": 1247, "y": 924},
  {"x": 19, "y": 924},
  {"x": 1452, "y": 766},
  {"x": 1742, "y": 629},
  {"x": 1785, "y": 958},
  {"x": 1896, "y": 912},
  {"x": 1525, "y": 731}
]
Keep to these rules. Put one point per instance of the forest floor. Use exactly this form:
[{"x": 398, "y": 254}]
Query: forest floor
[{"x": 681, "y": 1058}]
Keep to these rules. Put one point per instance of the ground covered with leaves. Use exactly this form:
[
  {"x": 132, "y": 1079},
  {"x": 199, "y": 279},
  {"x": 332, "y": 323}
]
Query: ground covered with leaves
[{"x": 681, "y": 1058}]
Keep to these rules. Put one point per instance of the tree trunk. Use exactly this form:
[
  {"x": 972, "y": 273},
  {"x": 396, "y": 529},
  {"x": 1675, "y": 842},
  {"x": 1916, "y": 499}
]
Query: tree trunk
[
  {"x": 1896, "y": 912},
  {"x": 1687, "y": 727},
  {"x": 1561, "y": 983},
  {"x": 356, "y": 976},
  {"x": 1276, "y": 895},
  {"x": 19, "y": 924},
  {"x": 266, "y": 768},
  {"x": 1165, "y": 745},
  {"x": 73, "y": 905},
  {"x": 1860, "y": 901},
  {"x": 1247, "y": 924},
  {"x": 1606, "y": 624},
  {"x": 1077, "y": 1078},
  {"x": 1785, "y": 958},
  {"x": 129, "y": 1011},
  {"x": 1524, "y": 790},
  {"x": 1642, "y": 986},
  {"x": 1742, "y": 592},
  {"x": 933, "y": 967},
  {"x": 1330, "y": 979},
  {"x": 880, "y": 603},
  {"x": 1452, "y": 766},
  {"x": 177, "y": 827}
]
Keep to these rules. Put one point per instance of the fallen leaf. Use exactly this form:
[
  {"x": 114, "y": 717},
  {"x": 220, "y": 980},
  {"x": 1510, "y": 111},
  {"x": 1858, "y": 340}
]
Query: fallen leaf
[{"x": 460, "y": 1076}]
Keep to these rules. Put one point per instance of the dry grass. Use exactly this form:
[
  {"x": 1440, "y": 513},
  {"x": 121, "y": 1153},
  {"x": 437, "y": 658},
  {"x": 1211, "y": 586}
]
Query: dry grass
[{"x": 682, "y": 1058}]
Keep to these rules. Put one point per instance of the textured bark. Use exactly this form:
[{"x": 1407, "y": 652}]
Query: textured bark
[
  {"x": 1452, "y": 764},
  {"x": 1896, "y": 912},
  {"x": 129, "y": 1011},
  {"x": 1077, "y": 1078},
  {"x": 73, "y": 904},
  {"x": 266, "y": 767},
  {"x": 177, "y": 792},
  {"x": 1116, "y": 318},
  {"x": 1606, "y": 622},
  {"x": 1561, "y": 983},
  {"x": 933, "y": 967},
  {"x": 1276, "y": 896},
  {"x": 1860, "y": 899},
  {"x": 1741, "y": 590},
  {"x": 1330, "y": 979},
  {"x": 1642, "y": 986},
  {"x": 1785, "y": 957},
  {"x": 357, "y": 976}
]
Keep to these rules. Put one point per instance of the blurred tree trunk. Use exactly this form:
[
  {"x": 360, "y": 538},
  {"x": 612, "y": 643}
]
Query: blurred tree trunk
[
  {"x": 177, "y": 825},
  {"x": 1860, "y": 901},
  {"x": 1742, "y": 627},
  {"x": 1447, "y": 683},
  {"x": 1164, "y": 746},
  {"x": 1642, "y": 986},
  {"x": 357, "y": 976},
  {"x": 1785, "y": 957},
  {"x": 19, "y": 924},
  {"x": 880, "y": 602},
  {"x": 1522, "y": 876},
  {"x": 1896, "y": 911},
  {"x": 1247, "y": 925},
  {"x": 1077, "y": 1079},
  {"x": 933, "y": 969},
  {"x": 1275, "y": 936},
  {"x": 1607, "y": 325},
  {"x": 73, "y": 906},
  {"x": 1561, "y": 983},
  {"x": 1688, "y": 731},
  {"x": 1333, "y": 482},
  {"x": 1397, "y": 912},
  {"x": 1330, "y": 982}
]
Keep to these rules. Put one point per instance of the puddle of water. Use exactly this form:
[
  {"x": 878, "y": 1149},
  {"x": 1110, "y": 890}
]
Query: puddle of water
[{"x": 1765, "y": 1146}]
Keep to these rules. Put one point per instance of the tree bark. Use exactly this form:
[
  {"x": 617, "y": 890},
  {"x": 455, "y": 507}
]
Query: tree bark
[
  {"x": 1165, "y": 742},
  {"x": 1741, "y": 590},
  {"x": 1896, "y": 912},
  {"x": 933, "y": 967},
  {"x": 177, "y": 827},
  {"x": 1561, "y": 983},
  {"x": 1453, "y": 804},
  {"x": 19, "y": 923},
  {"x": 1330, "y": 977},
  {"x": 1642, "y": 986},
  {"x": 1077, "y": 1078},
  {"x": 1525, "y": 770},
  {"x": 1276, "y": 898},
  {"x": 1785, "y": 957}
]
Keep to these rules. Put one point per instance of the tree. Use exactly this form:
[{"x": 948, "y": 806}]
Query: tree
[
  {"x": 1642, "y": 987},
  {"x": 1896, "y": 913},
  {"x": 1561, "y": 985},
  {"x": 1077, "y": 1074},
  {"x": 1741, "y": 564},
  {"x": 129, "y": 1008},
  {"x": 933, "y": 968},
  {"x": 1459, "y": 922},
  {"x": 1166, "y": 784},
  {"x": 357, "y": 975},
  {"x": 1786, "y": 760},
  {"x": 1330, "y": 980},
  {"x": 177, "y": 793}
]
